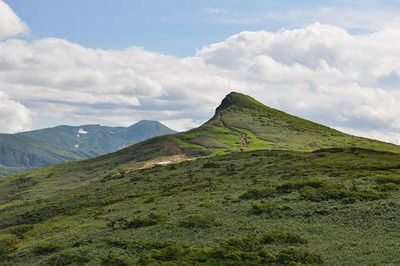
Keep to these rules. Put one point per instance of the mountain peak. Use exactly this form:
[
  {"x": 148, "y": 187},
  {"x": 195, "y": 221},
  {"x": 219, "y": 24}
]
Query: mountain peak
[
  {"x": 145, "y": 122},
  {"x": 237, "y": 99},
  {"x": 147, "y": 126}
]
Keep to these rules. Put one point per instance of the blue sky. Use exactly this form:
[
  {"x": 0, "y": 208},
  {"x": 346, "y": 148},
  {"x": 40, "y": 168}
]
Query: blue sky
[{"x": 171, "y": 26}]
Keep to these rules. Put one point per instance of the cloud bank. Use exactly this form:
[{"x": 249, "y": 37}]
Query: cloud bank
[
  {"x": 10, "y": 23},
  {"x": 14, "y": 116},
  {"x": 319, "y": 72}
]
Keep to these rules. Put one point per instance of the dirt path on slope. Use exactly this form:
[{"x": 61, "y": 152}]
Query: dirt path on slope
[{"x": 244, "y": 139}]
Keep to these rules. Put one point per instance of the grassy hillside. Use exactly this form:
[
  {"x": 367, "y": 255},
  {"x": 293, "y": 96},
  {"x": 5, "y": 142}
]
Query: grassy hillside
[
  {"x": 280, "y": 131},
  {"x": 241, "y": 123},
  {"x": 22, "y": 152},
  {"x": 334, "y": 207}
]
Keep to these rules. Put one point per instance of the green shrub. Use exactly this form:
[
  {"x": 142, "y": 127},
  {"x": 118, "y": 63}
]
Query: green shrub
[
  {"x": 346, "y": 195},
  {"x": 20, "y": 230},
  {"x": 387, "y": 187},
  {"x": 228, "y": 255},
  {"x": 114, "y": 174},
  {"x": 261, "y": 193},
  {"x": 149, "y": 220},
  {"x": 171, "y": 253},
  {"x": 296, "y": 256},
  {"x": 140, "y": 246},
  {"x": 282, "y": 238},
  {"x": 197, "y": 221},
  {"x": 67, "y": 257},
  {"x": 312, "y": 194},
  {"x": 45, "y": 248},
  {"x": 263, "y": 208},
  {"x": 230, "y": 169},
  {"x": 247, "y": 244},
  {"x": 386, "y": 179},
  {"x": 150, "y": 199},
  {"x": 248, "y": 250},
  {"x": 172, "y": 167},
  {"x": 308, "y": 182},
  {"x": 210, "y": 165},
  {"x": 115, "y": 260},
  {"x": 7, "y": 244}
]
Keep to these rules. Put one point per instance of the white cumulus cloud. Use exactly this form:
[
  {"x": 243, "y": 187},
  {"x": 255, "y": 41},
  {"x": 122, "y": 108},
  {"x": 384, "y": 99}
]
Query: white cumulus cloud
[
  {"x": 10, "y": 23},
  {"x": 14, "y": 117},
  {"x": 320, "y": 72}
]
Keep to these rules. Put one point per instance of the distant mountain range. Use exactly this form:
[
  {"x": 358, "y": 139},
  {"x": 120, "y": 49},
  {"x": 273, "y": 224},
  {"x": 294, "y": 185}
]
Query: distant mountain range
[{"x": 50, "y": 146}]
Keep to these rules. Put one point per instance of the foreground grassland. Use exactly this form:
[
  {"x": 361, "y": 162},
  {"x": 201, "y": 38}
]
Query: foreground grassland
[{"x": 330, "y": 207}]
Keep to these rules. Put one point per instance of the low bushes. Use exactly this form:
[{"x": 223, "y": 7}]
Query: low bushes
[
  {"x": 67, "y": 257},
  {"x": 247, "y": 244},
  {"x": 7, "y": 244},
  {"x": 346, "y": 195},
  {"x": 282, "y": 238},
  {"x": 385, "y": 187},
  {"x": 141, "y": 221},
  {"x": 230, "y": 169},
  {"x": 197, "y": 221},
  {"x": 46, "y": 248},
  {"x": 114, "y": 174},
  {"x": 20, "y": 229},
  {"x": 210, "y": 165},
  {"x": 249, "y": 250},
  {"x": 317, "y": 189},
  {"x": 261, "y": 193},
  {"x": 149, "y": 220},
  {"x": 171, "y": 253},
  {"x": 387, "y": 179},
  {"x": 115, "y": 260},
  {"x": 265, "y": 207},
  {"x": 309, "y": 182},
  {"x": 294, "y": 256}
]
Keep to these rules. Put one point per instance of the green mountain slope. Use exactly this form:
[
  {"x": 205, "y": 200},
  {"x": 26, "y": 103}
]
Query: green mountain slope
[
  {"x": 45, "y": 147},
  {"x": 306, "y": 206},
  {"x": 97, "y": 140},
  {"x": 241, "y": 123},
  {"x": 263, "y": 127},
  {"x": 22, "y": 152}
]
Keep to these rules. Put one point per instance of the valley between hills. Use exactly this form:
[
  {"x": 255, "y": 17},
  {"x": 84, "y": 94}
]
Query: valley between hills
[{"x": 251, "y": 186}]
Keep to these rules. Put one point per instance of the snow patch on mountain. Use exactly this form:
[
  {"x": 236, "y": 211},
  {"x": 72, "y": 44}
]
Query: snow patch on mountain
[{"x": 82, "y": 131}]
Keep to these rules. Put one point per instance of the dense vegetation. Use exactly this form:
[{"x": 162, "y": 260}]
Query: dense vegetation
[
  {"x": 336, "y": 206},
  {"x": 253, "y": 186}
]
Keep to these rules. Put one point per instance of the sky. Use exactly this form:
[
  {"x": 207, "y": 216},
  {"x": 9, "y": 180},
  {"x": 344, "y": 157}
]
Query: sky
[{"x": 117, "y": 62}]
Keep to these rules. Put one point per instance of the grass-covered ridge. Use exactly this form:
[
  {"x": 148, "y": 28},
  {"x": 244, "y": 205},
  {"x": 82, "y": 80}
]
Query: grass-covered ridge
[
  {"x": 241, "y": 123},
  {"x": 337, "y": 206}
]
